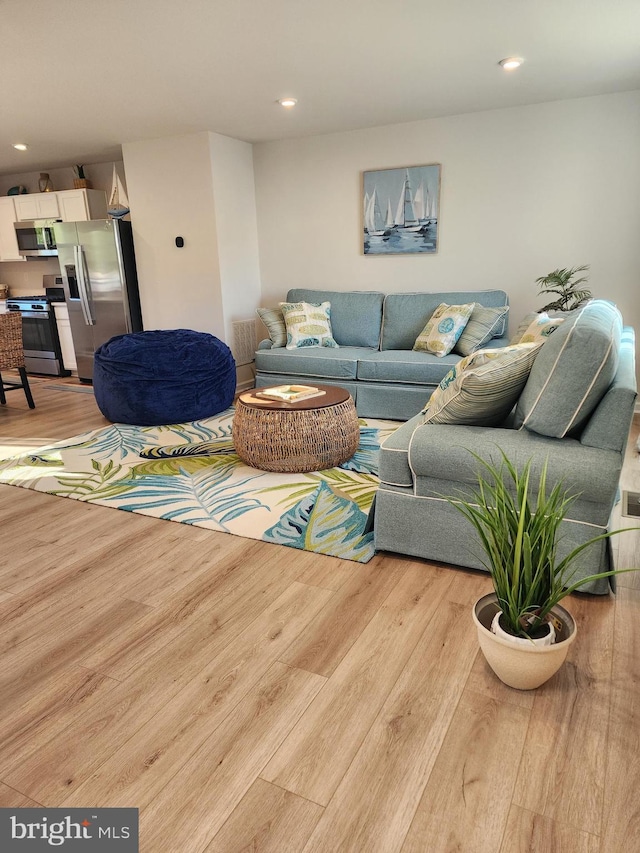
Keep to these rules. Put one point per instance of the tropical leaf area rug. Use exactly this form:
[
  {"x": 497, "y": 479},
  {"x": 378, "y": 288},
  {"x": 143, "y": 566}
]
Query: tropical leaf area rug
[{"x": 190, "y": 473}]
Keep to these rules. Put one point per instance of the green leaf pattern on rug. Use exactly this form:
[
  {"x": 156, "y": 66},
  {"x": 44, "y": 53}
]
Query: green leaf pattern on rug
[
  {"x": 175, "y": 467},
  {"x": 208, "y": 497},
  {"x": 320, "y": 511},
  {"x": 327, "y": 524},
  {"x": 360, "y": 489},
  {"x": 102, "y": 483}
]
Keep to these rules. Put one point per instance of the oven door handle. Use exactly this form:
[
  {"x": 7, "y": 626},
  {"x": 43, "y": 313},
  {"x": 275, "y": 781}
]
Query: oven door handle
[{"x": 78, "y": 257}]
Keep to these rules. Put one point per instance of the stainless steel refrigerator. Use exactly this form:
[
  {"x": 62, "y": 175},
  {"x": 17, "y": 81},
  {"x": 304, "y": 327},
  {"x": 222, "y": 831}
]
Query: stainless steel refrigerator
[{"x": 98, "y": 268}]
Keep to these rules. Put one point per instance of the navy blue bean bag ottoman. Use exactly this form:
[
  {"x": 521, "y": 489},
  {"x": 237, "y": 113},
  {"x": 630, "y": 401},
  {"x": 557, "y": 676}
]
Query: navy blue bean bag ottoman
[{"x": 164, "y": 376}]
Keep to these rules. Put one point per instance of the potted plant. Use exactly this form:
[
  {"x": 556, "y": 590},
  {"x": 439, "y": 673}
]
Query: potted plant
[
  {"x": 80, "y": 182},
  {"x": 523, "y": 632},
  {"x": 566, "y": 286}
]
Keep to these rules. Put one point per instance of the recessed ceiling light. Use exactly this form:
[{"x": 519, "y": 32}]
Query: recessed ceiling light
[
  {"x": 511, "y": 62},
  {"x": 20, "y": 146},
  {"x": 287, "y": 102}
]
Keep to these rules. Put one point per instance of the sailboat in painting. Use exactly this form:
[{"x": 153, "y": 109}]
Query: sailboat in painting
[
  {"x": 374, "y": 220},
  {"x": 118, "y": 203},
  {"x": 401, "y": 210},
  {"x": 406, "y": 214}
]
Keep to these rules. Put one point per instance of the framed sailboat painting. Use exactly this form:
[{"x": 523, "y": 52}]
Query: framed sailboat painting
[{"x": 401, "y": 209}]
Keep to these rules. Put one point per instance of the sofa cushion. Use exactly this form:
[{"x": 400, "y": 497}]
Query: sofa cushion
[
  {"x": 483, "y": 387},
  {"x": 443, "y": 329},
  {"x": 405, "y": 314},
  {"x": 273, "y": 319},
  {"x": 483, "y": 325},
  {"x": 406, "y": 366},
  {"x": 340, "y": 363},
  {"x": 356, "y": 316},
  {"x": 308, "y": 324},
  {"x": 572, "y": 372}
]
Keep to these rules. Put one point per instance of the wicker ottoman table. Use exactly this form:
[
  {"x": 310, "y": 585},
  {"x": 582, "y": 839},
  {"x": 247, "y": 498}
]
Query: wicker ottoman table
[{"x": 308, "y": 435}]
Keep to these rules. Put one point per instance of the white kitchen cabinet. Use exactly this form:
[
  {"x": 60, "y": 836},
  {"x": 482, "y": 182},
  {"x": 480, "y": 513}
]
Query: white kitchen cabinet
[
  {"x": 80, "y": 205},
  {"x": 36, "y": 206},
  {"x": 68, "y": 205},
  {"x": 64, "y": 333},
  {"x": 8, "y": 241}
]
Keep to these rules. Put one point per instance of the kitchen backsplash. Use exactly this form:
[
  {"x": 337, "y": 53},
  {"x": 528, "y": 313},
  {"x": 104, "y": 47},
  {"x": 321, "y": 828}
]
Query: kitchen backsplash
[{"x": 25, "y": 278}]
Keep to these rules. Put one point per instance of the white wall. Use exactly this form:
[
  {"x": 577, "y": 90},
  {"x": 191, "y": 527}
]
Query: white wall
[
  {"x": 237, "y": 227},
  {"x": 170, "y": 189},
  {"x": 524, "y": 190},
  {"x": 199, "y": 187},
  {"x": 237, "y": 232}
]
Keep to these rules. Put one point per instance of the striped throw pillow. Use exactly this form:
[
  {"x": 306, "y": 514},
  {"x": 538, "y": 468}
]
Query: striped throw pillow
[
  {"x": 484, "y": 324},
  {"x": 481, "y": 389},
  {"x": 274, "y": 321}
]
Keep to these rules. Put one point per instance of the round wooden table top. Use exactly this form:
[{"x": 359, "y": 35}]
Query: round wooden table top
[{"x": 333, "y": 395}]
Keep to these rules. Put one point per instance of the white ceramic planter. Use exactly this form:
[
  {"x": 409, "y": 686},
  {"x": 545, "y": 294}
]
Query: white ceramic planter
[
  {"x": 523, "y": 666},
  {"x": 547, "y": 640}
]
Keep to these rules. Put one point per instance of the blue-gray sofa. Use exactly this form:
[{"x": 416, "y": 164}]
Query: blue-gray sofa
[
  {"x": 575, "y": 411},
  {"x": 375, "y": 360}
]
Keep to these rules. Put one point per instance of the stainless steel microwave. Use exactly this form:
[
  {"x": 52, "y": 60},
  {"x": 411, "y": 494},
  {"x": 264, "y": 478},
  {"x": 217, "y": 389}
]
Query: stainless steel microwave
[{"x": 37, "y": 238}]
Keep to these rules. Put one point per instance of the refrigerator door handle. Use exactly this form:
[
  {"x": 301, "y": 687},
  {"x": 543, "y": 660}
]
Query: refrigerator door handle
[{"x": 82, "y": 285}]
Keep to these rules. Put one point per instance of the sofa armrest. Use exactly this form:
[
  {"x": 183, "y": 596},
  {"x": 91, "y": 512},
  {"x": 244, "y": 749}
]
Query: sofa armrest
[
  {"x": 441, "y": 452},
  {"x": 266, "y": 344}
]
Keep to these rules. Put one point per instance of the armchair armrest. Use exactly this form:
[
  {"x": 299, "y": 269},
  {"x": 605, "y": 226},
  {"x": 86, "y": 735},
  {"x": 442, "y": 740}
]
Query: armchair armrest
[{"x": 441, "y": 452}]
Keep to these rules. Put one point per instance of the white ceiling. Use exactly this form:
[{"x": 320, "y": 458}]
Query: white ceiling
[{"x": 80, "y": 77}]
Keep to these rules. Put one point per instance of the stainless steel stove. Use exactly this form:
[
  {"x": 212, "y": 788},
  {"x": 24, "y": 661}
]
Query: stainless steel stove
[{"x": 42, "y": 352}]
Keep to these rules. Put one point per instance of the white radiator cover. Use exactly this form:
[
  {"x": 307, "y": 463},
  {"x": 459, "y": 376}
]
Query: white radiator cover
[{"x": 244, "y": 341}]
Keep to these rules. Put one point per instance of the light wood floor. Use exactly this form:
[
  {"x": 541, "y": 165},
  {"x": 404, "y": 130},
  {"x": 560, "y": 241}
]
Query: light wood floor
[{"x": 248, "y": 697}]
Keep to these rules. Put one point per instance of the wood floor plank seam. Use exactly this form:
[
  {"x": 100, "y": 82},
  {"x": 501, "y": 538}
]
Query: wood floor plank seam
[
  {"x": 596, "y": 847},
  {"x": 282, "y": 788},
  {"x": 21, "y": 793}
]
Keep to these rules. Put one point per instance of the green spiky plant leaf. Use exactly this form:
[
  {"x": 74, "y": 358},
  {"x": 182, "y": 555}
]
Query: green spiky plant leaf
[
  {"x": 562, "y": 282},
  {"x": 519, "y": 537}
]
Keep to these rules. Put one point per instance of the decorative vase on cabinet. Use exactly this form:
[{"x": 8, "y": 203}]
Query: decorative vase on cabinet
[{"x": 45, "y": 184}]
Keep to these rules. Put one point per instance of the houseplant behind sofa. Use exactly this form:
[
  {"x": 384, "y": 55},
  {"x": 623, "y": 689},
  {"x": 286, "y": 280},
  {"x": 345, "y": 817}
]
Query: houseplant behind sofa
[{"x": 374, "y": 360}]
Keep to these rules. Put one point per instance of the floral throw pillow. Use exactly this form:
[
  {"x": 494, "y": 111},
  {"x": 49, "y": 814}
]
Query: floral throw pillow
[
  {"x": 540, "y": 329},
  {"x": 308, "y": 324},
  {"x": 444, "y": 328}
]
